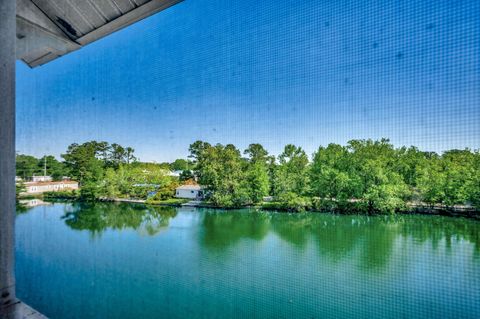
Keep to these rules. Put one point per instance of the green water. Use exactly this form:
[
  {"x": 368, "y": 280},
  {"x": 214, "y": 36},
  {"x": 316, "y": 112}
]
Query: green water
[{"x": 129, "y": 261}]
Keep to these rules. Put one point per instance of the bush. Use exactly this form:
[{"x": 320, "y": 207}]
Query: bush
[
  {"x": 324, "y": 205},
  {"x": 340, "y": 206},
  {"x": 271, "y": 206},
  {"x": 235, "y": 198},
  {"x": 289, "y": 202},
  {"x": 68, "y": 194},
  {"x": 163, "y": 193},
  {"x": 90, "y": 191},
  {"x": 386, "y": 198}
]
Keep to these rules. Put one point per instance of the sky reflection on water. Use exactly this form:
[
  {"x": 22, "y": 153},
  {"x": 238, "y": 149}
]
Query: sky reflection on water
[{"x": 122, "y": 260}]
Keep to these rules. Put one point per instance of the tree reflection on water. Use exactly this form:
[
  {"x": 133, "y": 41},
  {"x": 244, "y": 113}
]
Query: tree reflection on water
[
  {"x": 369, "y": 240},
  {"x": 98, "y": 217}
]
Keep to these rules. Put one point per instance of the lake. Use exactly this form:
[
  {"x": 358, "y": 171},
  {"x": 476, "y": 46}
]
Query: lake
[{"x": 131, "y": 261}]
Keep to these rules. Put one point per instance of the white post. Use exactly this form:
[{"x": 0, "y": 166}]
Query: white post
[{"x": 7, "y": 152}]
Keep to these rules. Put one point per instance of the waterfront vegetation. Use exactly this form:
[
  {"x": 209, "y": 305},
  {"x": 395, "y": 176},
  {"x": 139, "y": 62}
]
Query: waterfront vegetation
[{"x": 364, "y": 176}]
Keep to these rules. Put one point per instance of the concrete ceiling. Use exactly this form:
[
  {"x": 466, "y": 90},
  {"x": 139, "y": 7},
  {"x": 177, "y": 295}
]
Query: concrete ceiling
[{"x": 48, "y": 29}]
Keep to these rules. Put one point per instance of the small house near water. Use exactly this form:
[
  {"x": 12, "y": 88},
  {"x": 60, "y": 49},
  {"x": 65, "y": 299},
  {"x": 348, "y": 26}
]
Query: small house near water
[{"x": 194, "y": 192}]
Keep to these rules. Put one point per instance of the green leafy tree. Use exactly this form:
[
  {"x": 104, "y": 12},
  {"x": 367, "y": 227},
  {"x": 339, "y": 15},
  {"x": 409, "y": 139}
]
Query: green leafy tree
[
  {"x": 473, "y": 187},
  {"x": 112, "y": 183},
  {"x": 83, "y": 163},
  {"x": 26, "y": 166},
  {"x": 408, "y": 162},
  {"x": 137, "y": 181},
  {"x": 103, "y": 151},
  {"x": 90, "y": 191},
  {"x": 186, "y": 175},
  {"x": 257, "y": 182},
  {"x": 198, "y": 150},
  {"x": 330, "y": 173},
  {"x": 459, "y": 170},
  {"x": 291, "y": 175},
  {"x": 257, "y": 153},
  {"x": 294, "y": 202},
  {"x": 129, "y": 157},
  {"x": 450, "y": 179},
  {"x": 257, "y": 175},
  {"x": 221, "y": 170},
  {"x": 180, "y": 165},
  {"x": 430, "y": 182},
  {"x": 375, "y": 176},
  {"x": 118, "y": 155},
  {"x": 55, "y": 168}
]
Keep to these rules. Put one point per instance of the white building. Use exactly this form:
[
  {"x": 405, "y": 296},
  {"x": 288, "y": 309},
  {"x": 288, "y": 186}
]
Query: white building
[
  {"x": 190, "y": 192},
  {"x": 41, "y": 178},
  {"x": 41, "y": 187}
]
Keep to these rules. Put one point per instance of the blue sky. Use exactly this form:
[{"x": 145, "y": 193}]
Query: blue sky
[{"x": 271, "y": 72}]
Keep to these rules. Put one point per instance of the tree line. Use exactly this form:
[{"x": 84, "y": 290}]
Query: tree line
[
  {"x": 363, "y": 176},
  {"x": 106, "y": 170},
  {"x": 368, "y": 176},
  {"x": 80, "y": 161},
  {"x": 103, "y": 170},
  {"x": 28, "y": 166}
]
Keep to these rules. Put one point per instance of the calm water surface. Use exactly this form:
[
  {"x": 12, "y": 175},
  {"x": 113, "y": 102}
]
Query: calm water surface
[{"x": 129, "y": 261}]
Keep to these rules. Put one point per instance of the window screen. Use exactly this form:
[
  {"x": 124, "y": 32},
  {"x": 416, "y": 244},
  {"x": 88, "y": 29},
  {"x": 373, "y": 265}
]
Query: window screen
[{"x": 256, "y": 159}]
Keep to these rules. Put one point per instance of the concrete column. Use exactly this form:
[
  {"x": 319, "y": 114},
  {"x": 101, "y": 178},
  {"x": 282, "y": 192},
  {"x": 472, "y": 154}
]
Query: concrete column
[{"x": 7, "y": 152}]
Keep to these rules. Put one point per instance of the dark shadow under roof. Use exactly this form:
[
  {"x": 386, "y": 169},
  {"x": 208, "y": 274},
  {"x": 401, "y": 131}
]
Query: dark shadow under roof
[{"x": 48, "y": 29}]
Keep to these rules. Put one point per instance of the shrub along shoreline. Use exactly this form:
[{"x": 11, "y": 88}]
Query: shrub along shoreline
[
  {"x": 319, "y": 206},
  {"x": 357, "y": 208}
]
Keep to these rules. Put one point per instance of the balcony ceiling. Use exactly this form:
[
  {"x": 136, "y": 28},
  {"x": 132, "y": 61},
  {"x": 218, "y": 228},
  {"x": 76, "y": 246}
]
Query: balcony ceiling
[{"x": 48, "y": 29}]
